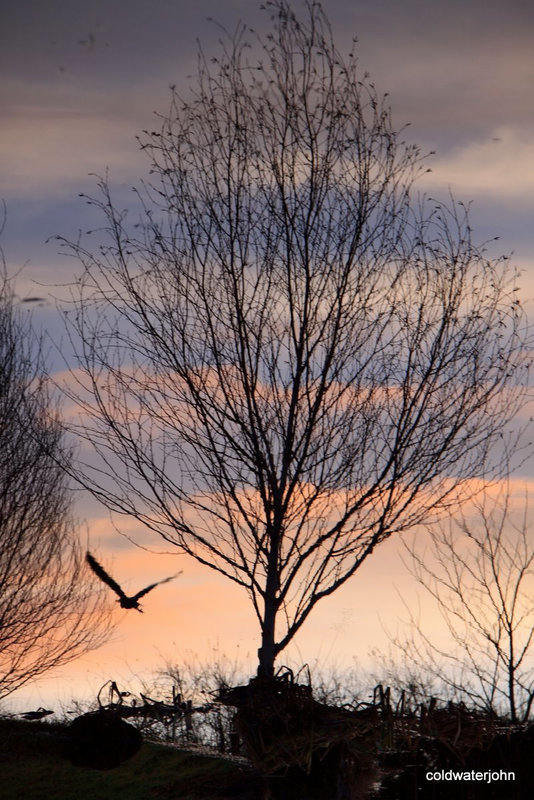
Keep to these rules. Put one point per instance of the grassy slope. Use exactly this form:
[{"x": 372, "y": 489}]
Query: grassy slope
[{"x": 31, "y": 767}]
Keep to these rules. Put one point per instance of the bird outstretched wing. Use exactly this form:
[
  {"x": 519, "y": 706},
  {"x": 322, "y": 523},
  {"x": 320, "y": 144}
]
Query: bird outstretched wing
[
  {"x": 148, "y": 589},
  {"x": 99, "y": 570}
]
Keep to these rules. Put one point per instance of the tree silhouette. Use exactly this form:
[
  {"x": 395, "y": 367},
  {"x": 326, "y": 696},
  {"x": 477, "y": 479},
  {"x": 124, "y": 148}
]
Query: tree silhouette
[
  {"x": 49, "y": 613},
  {"x": 287, "y": 359},
  {"x": 479, "y": 569}
]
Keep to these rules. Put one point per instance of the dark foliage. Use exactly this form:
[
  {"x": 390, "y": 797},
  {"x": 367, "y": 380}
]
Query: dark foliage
[{"x": 102, "y": 740}]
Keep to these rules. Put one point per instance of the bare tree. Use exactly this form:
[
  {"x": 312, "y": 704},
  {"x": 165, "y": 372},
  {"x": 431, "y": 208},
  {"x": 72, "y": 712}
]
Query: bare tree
[
  {"x": 479, "y": 569},
  {"x": 49, "y": 614},
  {"x": 290, "y": 359}
]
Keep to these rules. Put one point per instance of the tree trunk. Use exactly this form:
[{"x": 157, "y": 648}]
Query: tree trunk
[
  {"x": 267, "y": 652},
  {"x": 511, "y": 685}
]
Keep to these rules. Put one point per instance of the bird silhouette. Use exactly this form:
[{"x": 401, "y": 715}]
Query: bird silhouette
[
  {"x": 39, "y": 714},
  {"x": 124, "y": 601}
]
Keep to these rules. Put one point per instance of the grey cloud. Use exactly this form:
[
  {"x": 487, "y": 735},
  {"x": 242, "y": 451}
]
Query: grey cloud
[{"x": 81, "y": 80}]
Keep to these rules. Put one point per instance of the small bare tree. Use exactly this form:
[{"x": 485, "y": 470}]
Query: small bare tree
[
  {"x": 293, "y": 360},
  {"x": 480, "y": 571},
  {"x": 49, "y": 614}
]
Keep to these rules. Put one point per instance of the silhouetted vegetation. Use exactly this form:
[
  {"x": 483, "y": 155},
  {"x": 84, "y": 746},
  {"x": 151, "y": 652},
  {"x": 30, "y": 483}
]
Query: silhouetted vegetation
[
  {"x": 478, "y": 568},
  {"x": 291, "y": 747},
  {"x": 49, "y": 613}
]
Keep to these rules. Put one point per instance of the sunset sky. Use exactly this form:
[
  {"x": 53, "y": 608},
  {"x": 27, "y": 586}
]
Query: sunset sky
[{"x": 81, "y": 80}]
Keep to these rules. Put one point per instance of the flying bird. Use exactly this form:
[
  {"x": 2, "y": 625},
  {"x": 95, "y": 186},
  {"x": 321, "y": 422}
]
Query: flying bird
[{"x": 124, "y": 601}]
